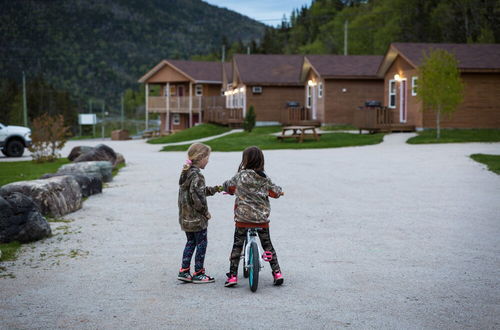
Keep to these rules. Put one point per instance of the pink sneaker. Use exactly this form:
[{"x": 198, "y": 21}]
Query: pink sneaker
[
  {"x": 232, "y": 280},
  {"x": 278, "y": 278}
]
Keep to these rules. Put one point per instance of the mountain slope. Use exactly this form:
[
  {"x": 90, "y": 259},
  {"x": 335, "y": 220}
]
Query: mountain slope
[{"x": 97, "y": 48}]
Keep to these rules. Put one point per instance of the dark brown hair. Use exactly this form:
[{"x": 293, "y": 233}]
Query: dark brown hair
[{"x": 253, "y": 159}]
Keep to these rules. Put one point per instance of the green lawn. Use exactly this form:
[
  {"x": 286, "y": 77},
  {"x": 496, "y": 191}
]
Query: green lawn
[
  {"x": 457, "y": 136},
  {"x": 261, "y": 137},
  {"x": 27, "y": 170},
  {"x": 193, "y": 133},
  {"x": 492, "y": 161}
]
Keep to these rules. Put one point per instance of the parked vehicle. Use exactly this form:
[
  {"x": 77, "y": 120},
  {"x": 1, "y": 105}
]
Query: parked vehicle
[{"x": 14, "y": 139}]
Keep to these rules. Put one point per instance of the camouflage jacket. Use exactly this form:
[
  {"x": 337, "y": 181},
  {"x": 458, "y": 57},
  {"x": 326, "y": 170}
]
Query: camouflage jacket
[
  {"x": 193, "y": 209},
  {"x": 252, "y": 192}
]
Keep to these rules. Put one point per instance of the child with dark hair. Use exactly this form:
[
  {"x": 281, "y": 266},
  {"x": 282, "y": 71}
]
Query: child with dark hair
[{"x": 252, "y": 188}]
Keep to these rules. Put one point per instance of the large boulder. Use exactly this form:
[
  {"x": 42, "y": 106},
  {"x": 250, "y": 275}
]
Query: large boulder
[
  {"x": 101, "y": 169},
  {"x": 89, "y": 184},
  {"x": 100, "y": 152},
  {"x": 77, "y": 151},
  {"x": 20, "y": 219},
  {"x": 55, "y": 196}
]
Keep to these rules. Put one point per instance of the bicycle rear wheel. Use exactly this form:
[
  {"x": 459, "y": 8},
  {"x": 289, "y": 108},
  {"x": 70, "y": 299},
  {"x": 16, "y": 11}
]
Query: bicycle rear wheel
[{"x": 253, "y": 270}]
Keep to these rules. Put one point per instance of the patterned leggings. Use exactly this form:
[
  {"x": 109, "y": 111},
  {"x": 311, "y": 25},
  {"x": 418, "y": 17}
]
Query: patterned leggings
[
  {"x": 195, "y": 240},
  {"x": 240, "y": 234}
]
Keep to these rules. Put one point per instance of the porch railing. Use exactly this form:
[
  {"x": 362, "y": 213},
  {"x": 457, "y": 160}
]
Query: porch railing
[
  {"x": 374, "y": 118},
  {"x": 298, "y": 116},
  {"x": 223, "y": 116},
  {"x": 176, "y": 103}
]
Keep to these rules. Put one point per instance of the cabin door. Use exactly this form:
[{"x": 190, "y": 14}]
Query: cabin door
[
  {"x": 180, "y": 90},
  {"x": 403, "y": 101}
]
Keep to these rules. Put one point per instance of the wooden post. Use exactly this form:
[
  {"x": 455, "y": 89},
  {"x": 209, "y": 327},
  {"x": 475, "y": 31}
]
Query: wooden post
[
  {"x": 168, "y": 107},
  {"x": 147, "y": 104},
  {"x": 190, "y": 104}
]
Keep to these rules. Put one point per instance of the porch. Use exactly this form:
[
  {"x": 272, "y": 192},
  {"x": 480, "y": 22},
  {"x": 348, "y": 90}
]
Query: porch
[
  {"x": 379, "y": 119},
  {"x": 223, "y": 116}
]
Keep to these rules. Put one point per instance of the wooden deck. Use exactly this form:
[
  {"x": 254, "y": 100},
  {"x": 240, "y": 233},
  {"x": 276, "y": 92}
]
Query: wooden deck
[
  {"x": 379, "y": 119},
  {"x": 298, "y": 116},
  {"x": 223, "y": 116}
]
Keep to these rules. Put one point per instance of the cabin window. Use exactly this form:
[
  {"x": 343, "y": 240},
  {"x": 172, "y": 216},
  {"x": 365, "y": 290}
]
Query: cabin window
[
  {"x": 320, "y": 90},
  {"x": 198, "y": 90},
  {"x": 414, "y": 81},
  {"x": 309, "y": 96},
  {"x": 176, "y": 119},
  {"x": 392, "y": 93}
]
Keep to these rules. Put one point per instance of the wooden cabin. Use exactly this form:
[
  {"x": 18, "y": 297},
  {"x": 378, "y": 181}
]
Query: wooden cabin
[
  {"x": 186, "y": 90},
  {"x": 336, "y": 86},
  {"x": 266, "y": 82},
  {"x": 479, "y": 66}
]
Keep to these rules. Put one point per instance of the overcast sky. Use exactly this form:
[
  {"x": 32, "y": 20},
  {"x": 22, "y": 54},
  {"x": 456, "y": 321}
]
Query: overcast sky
[{"x": 268, "y": 12}]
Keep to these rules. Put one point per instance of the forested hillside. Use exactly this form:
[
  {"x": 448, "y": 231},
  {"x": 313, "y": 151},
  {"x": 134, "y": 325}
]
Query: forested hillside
[
  {"x": 373, "y": 25},
  {"x": 98, "y": 48}
]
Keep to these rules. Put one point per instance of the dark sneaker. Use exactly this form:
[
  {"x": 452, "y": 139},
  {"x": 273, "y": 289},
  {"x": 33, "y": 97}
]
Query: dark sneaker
[
  {"x": 232, "y": 280},
  {"x": 200, "y": 277},
  {"x": 185, "y": 275},
  {"x": 278, "y": 278}
]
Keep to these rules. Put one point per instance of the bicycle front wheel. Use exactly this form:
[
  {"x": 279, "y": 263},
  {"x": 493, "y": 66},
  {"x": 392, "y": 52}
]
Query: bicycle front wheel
[{"x": 253, "y": 270}]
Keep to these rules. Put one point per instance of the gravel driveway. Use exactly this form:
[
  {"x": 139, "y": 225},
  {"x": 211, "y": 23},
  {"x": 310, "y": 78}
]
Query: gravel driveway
[{"x": 384, "y": 236}]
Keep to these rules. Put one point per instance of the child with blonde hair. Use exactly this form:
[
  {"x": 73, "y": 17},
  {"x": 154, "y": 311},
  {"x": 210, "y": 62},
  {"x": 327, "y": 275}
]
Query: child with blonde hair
[{"x": 193, "y": 213}]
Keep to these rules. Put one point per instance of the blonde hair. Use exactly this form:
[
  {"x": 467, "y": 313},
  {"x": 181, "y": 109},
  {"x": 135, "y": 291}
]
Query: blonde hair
[{"x": 197, "y": 152}]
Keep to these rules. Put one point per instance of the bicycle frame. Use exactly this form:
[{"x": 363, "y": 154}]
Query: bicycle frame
[{"x": 251, "y": 237}]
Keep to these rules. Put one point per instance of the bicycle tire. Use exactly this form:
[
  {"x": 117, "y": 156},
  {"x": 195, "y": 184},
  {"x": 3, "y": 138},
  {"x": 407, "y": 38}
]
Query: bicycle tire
[{"x": 253, "y": 260}]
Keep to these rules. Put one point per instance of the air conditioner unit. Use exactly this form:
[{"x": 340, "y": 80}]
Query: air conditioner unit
[{"x": 256, "y": 89}]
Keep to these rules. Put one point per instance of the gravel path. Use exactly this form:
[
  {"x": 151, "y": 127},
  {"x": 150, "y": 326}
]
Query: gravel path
[{"x": 384, "y": 236}]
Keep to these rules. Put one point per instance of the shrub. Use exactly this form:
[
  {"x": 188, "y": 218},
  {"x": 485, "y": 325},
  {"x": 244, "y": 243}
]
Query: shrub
[
  {"x": 249, "y": 121},
  {"x": 48, "y": 136}
]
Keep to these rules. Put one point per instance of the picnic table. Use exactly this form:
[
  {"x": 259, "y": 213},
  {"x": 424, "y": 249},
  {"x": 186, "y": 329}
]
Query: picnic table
[{"x": 299, "y": 133}]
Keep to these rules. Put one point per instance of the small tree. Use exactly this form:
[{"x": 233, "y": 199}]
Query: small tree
[
  {"x": 48, "y": 136},
  {"x": 249, "y": 121},
  {"x": 439, "y": 85}
]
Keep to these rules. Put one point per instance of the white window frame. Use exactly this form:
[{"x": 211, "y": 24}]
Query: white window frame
[
  {"x": 414, "y": 85},
  {"x": 198, "y": 90},
  {"x": 392, "y": 106},
  {"x": 320, "y": 90},
  {"x": 176, "y": 119},
  {"x": 309, "y": 97}
]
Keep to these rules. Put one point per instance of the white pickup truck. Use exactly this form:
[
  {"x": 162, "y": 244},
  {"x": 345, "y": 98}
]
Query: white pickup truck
[{"x": 13, "y": 140}]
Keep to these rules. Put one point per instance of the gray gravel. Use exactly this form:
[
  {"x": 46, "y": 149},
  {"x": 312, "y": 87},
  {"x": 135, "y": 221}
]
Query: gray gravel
[{"x": 385, "y": 236}]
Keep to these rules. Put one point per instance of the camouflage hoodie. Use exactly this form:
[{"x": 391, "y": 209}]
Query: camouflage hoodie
[
  {"x": 193, "y": 209},
  {"x": 252, "y": 192}
]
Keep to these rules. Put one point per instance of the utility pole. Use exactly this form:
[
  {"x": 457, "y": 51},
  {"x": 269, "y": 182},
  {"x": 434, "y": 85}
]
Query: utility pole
[
  {"x": 345, "y": 37},
  {"x": 25, "y": 104},
  {"x": 248, "y": 50},
  {"x": 223, "y": 53},
  {"x": 122, "y": 111},
  {"x": 102, "y": 123}
]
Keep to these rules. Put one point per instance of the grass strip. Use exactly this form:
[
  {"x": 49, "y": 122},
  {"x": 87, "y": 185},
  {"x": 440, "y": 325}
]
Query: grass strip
[
  {"x": 9, "y": 250},
  {"x": 193, "y": 133},
  {"x": 492, "y": 161},
  {"x": 261, "y": 137},
  {"x": 456, "y": 136},
  {"x": 27, "y": 170}
]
